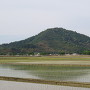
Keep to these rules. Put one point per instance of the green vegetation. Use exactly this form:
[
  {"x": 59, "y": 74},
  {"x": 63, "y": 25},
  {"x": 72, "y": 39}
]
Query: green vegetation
[
  {"x": 86, "y": 52},
  {"x": 44, "y": 58},
  {"x": 50, "y": 41}
]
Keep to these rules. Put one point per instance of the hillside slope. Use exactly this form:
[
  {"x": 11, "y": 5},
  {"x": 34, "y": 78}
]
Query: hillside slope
[{"x": 50, "y": 40}]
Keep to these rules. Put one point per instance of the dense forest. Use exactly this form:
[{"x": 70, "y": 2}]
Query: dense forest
[{"x": 53, "y": 40}]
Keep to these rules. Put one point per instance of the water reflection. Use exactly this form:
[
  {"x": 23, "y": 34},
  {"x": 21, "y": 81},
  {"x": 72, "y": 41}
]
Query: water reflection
[{"x": 57, "y": 73}]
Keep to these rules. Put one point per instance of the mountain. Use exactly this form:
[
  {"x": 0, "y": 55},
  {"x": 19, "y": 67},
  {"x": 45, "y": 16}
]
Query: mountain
[{"x": 53, "y": 40}]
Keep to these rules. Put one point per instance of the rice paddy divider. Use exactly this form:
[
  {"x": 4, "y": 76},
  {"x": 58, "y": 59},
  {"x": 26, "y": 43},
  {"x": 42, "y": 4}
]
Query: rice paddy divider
[{"x": 29, "y": 80}]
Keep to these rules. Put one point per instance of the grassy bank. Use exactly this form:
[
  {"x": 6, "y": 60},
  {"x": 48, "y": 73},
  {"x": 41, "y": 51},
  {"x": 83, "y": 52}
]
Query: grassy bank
[
  {"x": 48, "y": 60},
  {"x": 44, "y": 58}
]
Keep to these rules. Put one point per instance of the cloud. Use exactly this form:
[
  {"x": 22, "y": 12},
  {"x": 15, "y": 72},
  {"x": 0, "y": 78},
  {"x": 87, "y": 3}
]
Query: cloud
[{"x": 29, "y": 17}]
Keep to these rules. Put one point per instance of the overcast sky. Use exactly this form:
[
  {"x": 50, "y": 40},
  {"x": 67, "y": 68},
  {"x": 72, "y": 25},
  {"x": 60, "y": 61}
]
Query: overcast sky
[{"x": 20, "y": 19}]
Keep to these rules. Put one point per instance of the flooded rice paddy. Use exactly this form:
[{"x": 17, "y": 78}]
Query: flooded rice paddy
[{"x": 50, "y": 72}]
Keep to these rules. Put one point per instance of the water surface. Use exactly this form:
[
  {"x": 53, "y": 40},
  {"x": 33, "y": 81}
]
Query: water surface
[
  {"x": 57, "y": 73},
  {"x": 8, "y": 85}
]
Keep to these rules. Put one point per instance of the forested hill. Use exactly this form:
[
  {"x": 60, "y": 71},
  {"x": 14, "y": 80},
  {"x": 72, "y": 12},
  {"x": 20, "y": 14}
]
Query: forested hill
[{"x": 53, "y": 40}]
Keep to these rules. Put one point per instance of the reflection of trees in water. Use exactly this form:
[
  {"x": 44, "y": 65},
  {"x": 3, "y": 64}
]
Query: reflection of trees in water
[
  {"x": 58, "y": 75},
  {"x": 52, "y": 72}
]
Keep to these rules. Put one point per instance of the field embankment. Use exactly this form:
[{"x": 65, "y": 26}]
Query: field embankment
[{"x": 74, "y": 84}]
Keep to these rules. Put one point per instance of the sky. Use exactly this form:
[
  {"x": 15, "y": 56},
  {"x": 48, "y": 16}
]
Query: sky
[{"x": 20, "y": 19}]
